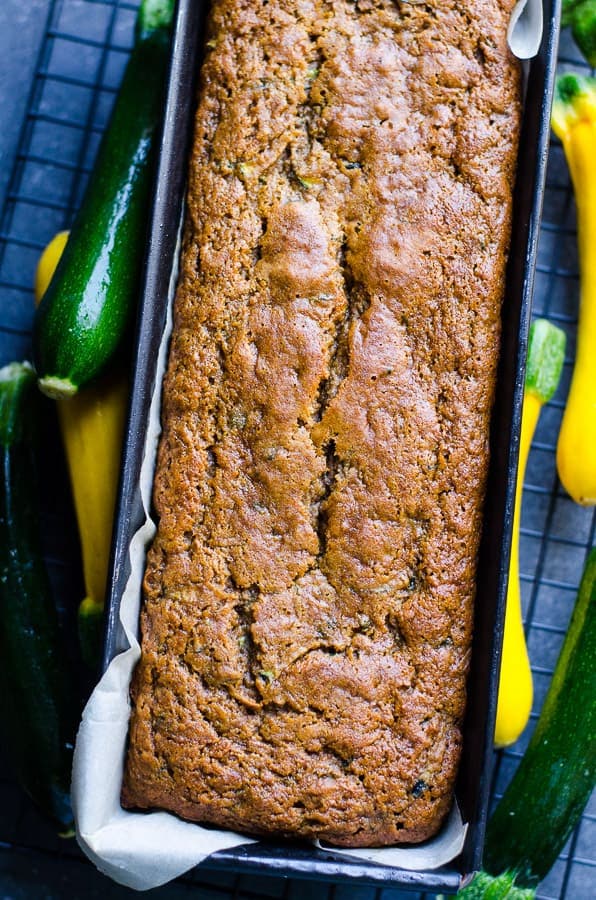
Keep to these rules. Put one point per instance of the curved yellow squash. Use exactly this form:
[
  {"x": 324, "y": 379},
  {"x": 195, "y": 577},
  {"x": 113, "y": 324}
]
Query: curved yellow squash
[
  {"x": 574, "y": 122},
  {"x": 515, "y": 683},
  {"x": 546, "y": 354},
  {"x": 92, "y": 427}
]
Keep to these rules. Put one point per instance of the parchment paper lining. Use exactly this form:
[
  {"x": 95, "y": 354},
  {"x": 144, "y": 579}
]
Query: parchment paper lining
[{"x": 145, "y": 850}]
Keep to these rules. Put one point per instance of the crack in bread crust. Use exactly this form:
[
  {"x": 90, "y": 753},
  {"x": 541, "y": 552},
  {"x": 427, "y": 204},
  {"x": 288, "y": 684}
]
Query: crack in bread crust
[{"x": 308, "y": 597}]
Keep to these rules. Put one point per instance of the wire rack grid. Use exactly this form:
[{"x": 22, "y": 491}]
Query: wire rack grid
[{"x": 80, "y": 63}]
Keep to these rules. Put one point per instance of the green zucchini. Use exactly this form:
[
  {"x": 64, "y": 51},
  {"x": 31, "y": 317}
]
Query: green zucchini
[
  {"x": 38, "y": 702},
  {"x": 546, "y": 354},
  {"x": 557, "y": 773},
  {"x": 86, "y": 310},
  {"x": 580, "y": 16}
]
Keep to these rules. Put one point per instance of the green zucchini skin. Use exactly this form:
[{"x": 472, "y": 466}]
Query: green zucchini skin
[
  {"x": 85, "y": 312},
  {"x": 500, "y": 887},
  {"x": 580, "y": 15},
  {"x": 546, "y": 355},
  {"x": 39, "y": 706},
  {"x": 557, "y": 773}
]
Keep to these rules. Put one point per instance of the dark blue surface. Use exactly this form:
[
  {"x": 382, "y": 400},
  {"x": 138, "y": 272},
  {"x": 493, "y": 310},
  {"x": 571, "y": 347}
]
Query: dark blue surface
[
  {"x": 53, "y": 56},
  {"x": 22, "y": 25}
]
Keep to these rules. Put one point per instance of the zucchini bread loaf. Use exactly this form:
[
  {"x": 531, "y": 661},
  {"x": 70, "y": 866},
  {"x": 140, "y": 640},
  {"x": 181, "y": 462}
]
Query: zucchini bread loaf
[{"x": 307, "y": 614}]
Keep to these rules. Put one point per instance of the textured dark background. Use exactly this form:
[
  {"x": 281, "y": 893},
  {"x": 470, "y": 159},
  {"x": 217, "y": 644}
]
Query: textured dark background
[{"x": 60, "y": 63}]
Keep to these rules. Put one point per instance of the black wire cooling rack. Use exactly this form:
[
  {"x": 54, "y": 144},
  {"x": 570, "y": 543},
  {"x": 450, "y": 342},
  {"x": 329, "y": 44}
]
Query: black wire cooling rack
[{"x": 80, "y": 63}]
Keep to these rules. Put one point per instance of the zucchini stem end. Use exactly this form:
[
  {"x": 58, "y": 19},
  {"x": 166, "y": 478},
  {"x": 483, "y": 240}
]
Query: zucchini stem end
[{"x": 56, "y": 388}]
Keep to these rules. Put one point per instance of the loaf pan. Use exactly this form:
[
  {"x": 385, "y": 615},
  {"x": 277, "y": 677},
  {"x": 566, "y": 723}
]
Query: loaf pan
[{"x": 473, "y": 788}]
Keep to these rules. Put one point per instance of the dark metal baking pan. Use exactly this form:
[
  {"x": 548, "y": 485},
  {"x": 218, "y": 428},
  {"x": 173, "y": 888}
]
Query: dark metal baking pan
[{"x": 300, "y": 860}]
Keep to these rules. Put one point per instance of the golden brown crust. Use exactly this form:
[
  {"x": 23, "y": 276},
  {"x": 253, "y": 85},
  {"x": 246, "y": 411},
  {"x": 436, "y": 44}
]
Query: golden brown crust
[{"x": 308, "y": 596}]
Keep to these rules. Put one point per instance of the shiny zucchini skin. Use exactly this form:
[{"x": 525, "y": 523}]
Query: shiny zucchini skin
[
  {"x": 38, "y": 701},
  {"x": 557, "y": 773},
  {"x": 85, "y": 312}
]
